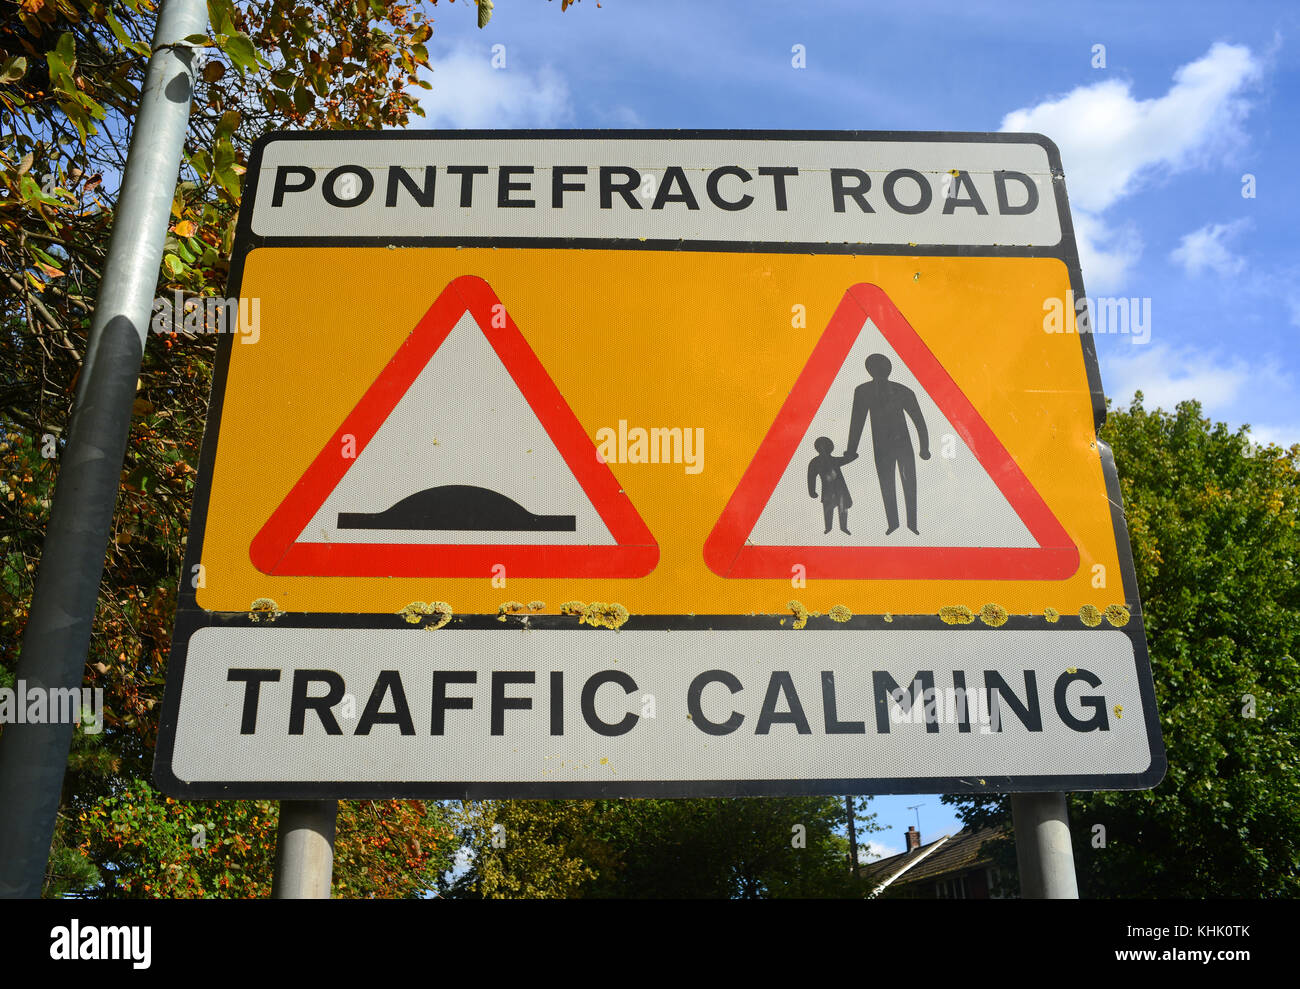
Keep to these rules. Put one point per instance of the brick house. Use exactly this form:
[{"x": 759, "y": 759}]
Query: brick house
[{"x": 954, "y": 867}]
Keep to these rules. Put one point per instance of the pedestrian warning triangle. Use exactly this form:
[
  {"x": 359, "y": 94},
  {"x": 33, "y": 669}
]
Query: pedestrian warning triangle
[
  {"x": 460, "y": 459},
  {"x": 954, "y": 505}
]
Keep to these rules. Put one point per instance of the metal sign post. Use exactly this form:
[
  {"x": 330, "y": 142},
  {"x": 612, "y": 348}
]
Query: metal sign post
[
  {"x": 1044, "y": 856},
  {"x": 33, "y": 756},
  {"x": 304, "y": 855}
]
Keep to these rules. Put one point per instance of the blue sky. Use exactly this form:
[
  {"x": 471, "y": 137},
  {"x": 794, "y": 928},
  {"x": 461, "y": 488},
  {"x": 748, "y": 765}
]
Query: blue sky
[{"x": 1192, "y": 97}]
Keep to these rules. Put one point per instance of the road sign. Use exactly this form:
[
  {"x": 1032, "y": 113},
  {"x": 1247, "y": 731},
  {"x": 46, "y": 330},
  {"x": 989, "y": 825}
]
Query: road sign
[
  {"x": 656, "y": 463},
  {"x": 993, "y": 524},
  {"x": 531, "y": 444}
]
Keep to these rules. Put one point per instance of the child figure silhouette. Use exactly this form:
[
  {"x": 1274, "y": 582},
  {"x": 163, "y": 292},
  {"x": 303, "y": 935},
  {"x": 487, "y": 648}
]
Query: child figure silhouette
[{"x": 835, "y": 492}]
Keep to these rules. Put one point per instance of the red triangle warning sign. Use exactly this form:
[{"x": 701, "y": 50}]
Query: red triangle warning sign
[
  {"x": 878, "y": 467},
  {"x": 461, "y": 458}
]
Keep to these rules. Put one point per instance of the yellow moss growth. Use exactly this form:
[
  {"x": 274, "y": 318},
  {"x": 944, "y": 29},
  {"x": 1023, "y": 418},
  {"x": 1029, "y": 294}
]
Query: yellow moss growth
[
  {"x": 264, "y": 608},
  {"x": 1117, "y": 615},
  {"x": 1090, "y": 615},
  {"x": 956, "y": 614},
  {"x": 800, "y": 614},
  {"x": 414, "y": 612},
  {"x": 440, "y": 610},
  {"x": 1052, "y": 615},
  {"x": 573, "y": 607},
  {"x": 839, "y": 613},
  {"x": 417, "y": 611},
  {"x": 536, "y": 605},
  {"x": 601, "y": 615},
  {"x": 993, "y": 615}
]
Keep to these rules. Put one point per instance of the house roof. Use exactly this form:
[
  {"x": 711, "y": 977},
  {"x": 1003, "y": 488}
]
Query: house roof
[{"x": 955, "y": 853}]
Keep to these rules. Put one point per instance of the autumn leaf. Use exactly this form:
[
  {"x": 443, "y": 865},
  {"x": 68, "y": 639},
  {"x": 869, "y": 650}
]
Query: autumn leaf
[{"x": 13, "y": 69}]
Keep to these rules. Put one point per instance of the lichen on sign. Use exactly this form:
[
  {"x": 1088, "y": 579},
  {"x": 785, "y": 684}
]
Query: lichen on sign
[
  {"x": 601, "y": 615},
  {"x": 800, "y": 614},
  {"x": 993, "y": 615},
  {"x": 956, "y": 614},
  {"x": 1117, "y": 615},
  {"x": 264, "y": 608}
]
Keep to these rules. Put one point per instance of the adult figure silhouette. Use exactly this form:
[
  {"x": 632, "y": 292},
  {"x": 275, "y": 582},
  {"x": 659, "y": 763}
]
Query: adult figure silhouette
[{"x": 889, "y": 405}]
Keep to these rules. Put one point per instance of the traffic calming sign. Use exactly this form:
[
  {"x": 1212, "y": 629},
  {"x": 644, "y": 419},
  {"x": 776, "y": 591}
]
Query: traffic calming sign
[
  {"x": 413, "y": 445},
  {"x": 574, "y": 463},
  {"x": 983, "y": 518}
]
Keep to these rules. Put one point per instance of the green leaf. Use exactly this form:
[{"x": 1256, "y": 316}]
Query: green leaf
[
  {"x": 31, "y": 192},
  {"x": 76, "y": 122},
  {"x": 223, "y": 171},
  {"x": 221, "y": 16},
  {"x": 240, "y": 49},
  {"x": 202, "y": 162},
  {"x": 303, "y": 101},
  {"x": 53, "y": 262},
  {"x": 228, "y": 123},
  {"x": 67, "y": 48},
  {"x": 119, "y": 32},
  {"x": 57, "y": 64},
  {"x": 173, "y": 264},
  {"x": 13, "y": 69}
]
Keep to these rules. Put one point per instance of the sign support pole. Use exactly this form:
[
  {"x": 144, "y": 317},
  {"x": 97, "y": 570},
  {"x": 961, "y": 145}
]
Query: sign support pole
[
  {"x": 33, "y": 757},
  {"x": 1043, "y": 851},
  {"x": 304, "y": 858},
  {"x": 853, "y": 837}
]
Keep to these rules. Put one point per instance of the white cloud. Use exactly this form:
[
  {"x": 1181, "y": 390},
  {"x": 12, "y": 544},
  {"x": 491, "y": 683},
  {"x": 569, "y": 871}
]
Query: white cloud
[
  {"x": 1111, "y": 143},
  {"x": 1278, "y": 284},
  {"x": 1292, "y": 302},
  {"x": 1208, "y": 248},
  {"x": 1105, "y": 253},
  {"x": 1229, "y": 389},
  {"x": 873, "y": 850},
  {"x": 1166, "y": 376},
  {"x": 1284, "y": 435},
  {"x": 619, "y": 116},
  {"x": 469, "y": 92}
]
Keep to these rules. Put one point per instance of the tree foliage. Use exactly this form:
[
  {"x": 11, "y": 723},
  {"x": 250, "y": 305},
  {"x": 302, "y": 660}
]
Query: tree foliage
[
  {"x": 1212, "y": 519},
  {"x": 720, "y": 849},
  {"x": 70, "y": 78}
]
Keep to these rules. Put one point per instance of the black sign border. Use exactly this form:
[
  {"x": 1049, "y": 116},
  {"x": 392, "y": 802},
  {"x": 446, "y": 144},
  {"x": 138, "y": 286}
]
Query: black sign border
[{"x": 190, "y": 617}]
